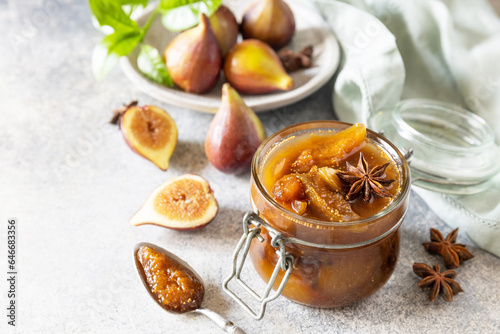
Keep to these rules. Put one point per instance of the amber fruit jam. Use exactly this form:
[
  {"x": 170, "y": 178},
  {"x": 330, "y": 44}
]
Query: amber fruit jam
[
  {"x": 295, "y": 189},
  {"x": 176, "y": 288}
]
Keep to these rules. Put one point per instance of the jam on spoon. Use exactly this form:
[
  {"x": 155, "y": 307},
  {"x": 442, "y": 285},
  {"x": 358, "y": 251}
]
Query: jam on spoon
[
  {"x": 173, "y": 284},
  {"x": 176, "y": 288}
]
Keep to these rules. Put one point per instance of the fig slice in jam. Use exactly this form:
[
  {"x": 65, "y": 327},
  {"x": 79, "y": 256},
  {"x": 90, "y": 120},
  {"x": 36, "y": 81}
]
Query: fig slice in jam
[
  {"x": 310, "y": 187},
  {"x": 329, "y": 152},
  {"x": 308, "y": 178}
]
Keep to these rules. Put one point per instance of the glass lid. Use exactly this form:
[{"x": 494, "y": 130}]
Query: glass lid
[{"x": 454, "y": 150}]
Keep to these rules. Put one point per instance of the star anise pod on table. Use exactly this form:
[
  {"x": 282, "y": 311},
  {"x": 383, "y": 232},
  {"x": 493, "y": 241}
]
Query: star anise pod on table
[
  {"x": 363, "y": 180},
  {"x": 438, "y": 282},
  {"x": 452, "y": 253}
]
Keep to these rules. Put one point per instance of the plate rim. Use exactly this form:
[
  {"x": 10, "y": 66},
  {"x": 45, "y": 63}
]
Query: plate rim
[{"x": 266, "y": 102}]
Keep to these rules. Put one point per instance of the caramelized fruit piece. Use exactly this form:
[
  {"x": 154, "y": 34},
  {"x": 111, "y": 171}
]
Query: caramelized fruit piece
[
  {"x": 331, "y": 205},
  {"x": 288, "y": 189},
  {"x": 329, "y": 177},
  {"x": 185, "y": 202},
  {"x": 225, "y": 28},
  {"x": 150, "y": 132},
  {"x": 270, "y": 21},
  {"x": 252, "y": 67},
  {"x": 194, "y": 59},
  {"x": 302, "y": 191},
  {"x": 304, "y": 162},
  {"x": 234, "y": 134},
  {"x": 299, "y": 207},
  {"x": 330, "y": 152},
  {"x": 342, "y": 143},
  {"x": 176, "y": 288}
]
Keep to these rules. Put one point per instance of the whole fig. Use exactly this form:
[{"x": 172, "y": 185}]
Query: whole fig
[
  {"x": 225, "y": 28},
  {"x": 270, "y": 21},
  {"x": 252, "y": 67},
  {"x": 193, "y": 58},
  {"x": 234, "y": 134}
]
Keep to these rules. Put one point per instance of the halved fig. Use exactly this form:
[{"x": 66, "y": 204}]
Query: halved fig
[
  {"x": 150, "y": 132},
  {"x": 185, "y": 202}
]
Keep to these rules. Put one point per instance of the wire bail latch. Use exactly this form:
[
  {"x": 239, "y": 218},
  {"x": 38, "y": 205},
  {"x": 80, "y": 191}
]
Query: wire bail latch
[{"x": 285, "y": 262}]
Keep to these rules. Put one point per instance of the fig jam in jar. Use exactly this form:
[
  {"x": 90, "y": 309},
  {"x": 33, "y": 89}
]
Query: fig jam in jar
[{"x": 344, "y": 246}]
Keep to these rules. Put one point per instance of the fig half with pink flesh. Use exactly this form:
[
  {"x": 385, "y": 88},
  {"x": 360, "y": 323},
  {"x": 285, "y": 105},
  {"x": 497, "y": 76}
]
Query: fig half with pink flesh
[{"x": 182, "y": 203}]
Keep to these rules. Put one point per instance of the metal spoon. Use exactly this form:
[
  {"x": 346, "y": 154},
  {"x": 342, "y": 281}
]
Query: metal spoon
[{"x": 226, "y": 325}]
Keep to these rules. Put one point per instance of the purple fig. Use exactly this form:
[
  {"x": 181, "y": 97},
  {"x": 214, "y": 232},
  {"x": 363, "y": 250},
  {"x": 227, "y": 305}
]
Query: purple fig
[
  {"x": 234, "y": 134},
  {"x": 270, "y": 21},
  {"x": 225, "y": 28},
  {"x": 193, "y": 58}
]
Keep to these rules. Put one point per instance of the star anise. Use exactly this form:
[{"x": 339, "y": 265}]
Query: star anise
[
  {"x": 452, "y": 253},
  {"x": 437, "y": 281},
  {"x": 292, "y": 61},
  {"x": 360, "y": 180}
]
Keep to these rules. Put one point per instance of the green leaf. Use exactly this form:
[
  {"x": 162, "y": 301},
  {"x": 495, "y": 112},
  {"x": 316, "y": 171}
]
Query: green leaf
[
  {"x": 143, "y": 3},
  {"x": 110, "y": 49},
  {"x": 179, "y": 15},
  {"x": 110, "y": 13},
  {"x": 152, "y": 66}
]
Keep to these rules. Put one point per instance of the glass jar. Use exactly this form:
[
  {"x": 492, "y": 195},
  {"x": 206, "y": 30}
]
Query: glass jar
[
  {"x": 332, "y": 264},
  {"x": 453, "y": 150},
  {"x": 313, "y": 262}
]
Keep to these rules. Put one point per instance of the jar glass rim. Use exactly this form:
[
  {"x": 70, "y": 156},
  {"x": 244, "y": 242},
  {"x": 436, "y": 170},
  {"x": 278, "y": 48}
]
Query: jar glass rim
[
  {"x": 448, "y": 109},
  {"x": 316, "y": 223},
  {"x": 454, "y": 150}
]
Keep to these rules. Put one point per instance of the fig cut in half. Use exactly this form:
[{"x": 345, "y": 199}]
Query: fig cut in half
[
  {"x": 182, "y": 203},
  {"x": 150, "y": 132}
]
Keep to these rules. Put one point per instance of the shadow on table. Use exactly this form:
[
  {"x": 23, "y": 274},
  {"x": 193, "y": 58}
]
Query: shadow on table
[{"x": 189, "y": 156}]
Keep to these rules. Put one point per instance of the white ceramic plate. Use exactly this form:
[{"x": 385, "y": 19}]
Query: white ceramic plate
[{"x": 310, "y": 29}]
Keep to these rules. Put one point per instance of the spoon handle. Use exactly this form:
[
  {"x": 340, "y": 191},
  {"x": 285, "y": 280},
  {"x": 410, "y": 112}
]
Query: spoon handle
[{"x": 226, "y": 325}]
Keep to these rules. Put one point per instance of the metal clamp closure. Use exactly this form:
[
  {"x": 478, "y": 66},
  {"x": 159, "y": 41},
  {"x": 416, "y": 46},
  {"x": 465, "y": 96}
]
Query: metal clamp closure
[{"x": 285, "y": 262}]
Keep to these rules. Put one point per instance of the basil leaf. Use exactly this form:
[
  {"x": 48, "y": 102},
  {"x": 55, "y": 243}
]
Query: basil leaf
[
  {"x": 110, "y": 13},
  {"x": 152, "y": 66},
  {"x": 179, "y": 15},
  {"x": 110, "y": 49}
]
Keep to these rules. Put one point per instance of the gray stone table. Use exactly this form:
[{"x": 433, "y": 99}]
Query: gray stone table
[{"x": 72, "y": 183}]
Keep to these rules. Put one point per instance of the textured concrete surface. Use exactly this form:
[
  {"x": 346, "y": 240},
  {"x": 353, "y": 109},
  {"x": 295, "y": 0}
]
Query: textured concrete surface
[{"x": 72, "y": 183}]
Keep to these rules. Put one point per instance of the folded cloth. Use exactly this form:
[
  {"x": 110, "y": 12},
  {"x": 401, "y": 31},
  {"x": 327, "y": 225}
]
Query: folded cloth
[{"x": 445, "y": 50}]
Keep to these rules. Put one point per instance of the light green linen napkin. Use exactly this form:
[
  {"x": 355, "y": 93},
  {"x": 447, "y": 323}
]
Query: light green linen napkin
[{"x": 445, "y": 50}]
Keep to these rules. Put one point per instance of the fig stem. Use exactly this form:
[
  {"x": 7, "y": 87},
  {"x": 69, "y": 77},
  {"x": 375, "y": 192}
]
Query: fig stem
[
  {"x": 118, "y": 113},
  {"x": 149, "y": 22}
]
